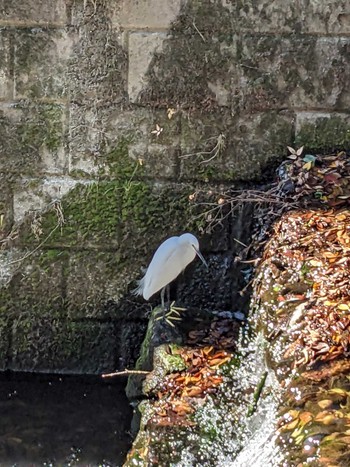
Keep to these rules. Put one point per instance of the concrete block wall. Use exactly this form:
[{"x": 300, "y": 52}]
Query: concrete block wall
[{"x": 164, "y": 81}]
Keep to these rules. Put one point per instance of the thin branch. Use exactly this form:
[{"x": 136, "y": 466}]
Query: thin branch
[
  {"x": 195, "y": 27},
  {"x": 219, "y": 146},
  {"x": 125, "y": 372},
  {"x": 257, "y": 394},
  {"x": 241, "y": 243},
  {"x": 57, "y": 207},
  {"x": 30, "y": 253}
]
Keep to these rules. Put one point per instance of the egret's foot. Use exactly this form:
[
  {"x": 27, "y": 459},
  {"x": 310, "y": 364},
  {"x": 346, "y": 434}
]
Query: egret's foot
[{"x": 171, "y": 314}]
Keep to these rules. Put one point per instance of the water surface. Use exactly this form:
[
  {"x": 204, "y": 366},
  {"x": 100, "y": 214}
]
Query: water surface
[{"x": 51, "y": 420}]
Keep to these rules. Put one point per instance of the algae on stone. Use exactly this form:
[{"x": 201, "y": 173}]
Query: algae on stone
[
  {"x": 323, "y": 133},
  {"x": 26, "y": 130}
]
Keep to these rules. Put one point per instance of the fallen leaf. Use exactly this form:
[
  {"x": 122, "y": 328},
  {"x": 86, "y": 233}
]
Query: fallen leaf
[
  {"x": 315, "y": 262},
  {"x": 325, "y": 403}
]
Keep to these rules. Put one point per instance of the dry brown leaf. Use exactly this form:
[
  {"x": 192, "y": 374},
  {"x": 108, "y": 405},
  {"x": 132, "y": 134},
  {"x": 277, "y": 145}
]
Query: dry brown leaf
[{"x": 325, "y": 403}]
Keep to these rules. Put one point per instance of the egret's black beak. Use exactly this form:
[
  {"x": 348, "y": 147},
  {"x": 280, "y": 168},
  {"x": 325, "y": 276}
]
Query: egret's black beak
[{"x": 199, "y": 254}]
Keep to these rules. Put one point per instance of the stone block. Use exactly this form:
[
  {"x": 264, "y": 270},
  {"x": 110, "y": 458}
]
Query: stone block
[
  {"x": 96, "y": 133},
  {"x": 299, "y": 72},
  {"x": 37, "y": 194},
  {"x": 148, "y": 14},
  {"x": 6, "y": 80},
  {"x": 86, "y": 138},
  {"x": 98, "y": 145},
  {"x": 6, "y": 208},
  {"x": 276, "y": 16},
  {"x": 142, "y": 47},
  {"x": 130, "y": 336},
  {"x": 49, "y": 344},
  {"x": 218, "y": 147},
  {"x": 32, "y": 136},
  {"x": 260, "y": 141},
  {"x": 196, "y": 63},
  {"x": 207, "y": 289},
  {"x": 9, "y": 260},
  {"x": 98, "y": 65},
  {"x": 93, "y": 280},
  {"x": 158, "y": 147},
  {"x": 162, "y": 160},
  {"x": 326, "y": 17},
  {"x": 92, "y": 217},
  {"x": 41, "y": 61},
  {"x": 33, "y": 11},
  {"x": 319, "y": 131},
  {"x": 39, "y": 288},
  {"x": 205, "y": 143},
  {"x": 5, "y": 336}
]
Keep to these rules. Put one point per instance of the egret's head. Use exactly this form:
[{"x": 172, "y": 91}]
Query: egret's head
[{"x": 189, "y": 239}]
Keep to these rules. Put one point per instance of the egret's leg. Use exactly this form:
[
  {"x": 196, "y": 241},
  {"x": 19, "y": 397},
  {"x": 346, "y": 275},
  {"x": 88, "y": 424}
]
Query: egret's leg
[
  {"x": 162, "y": 293},
  {"x": 170, "y": 313},
  {"x": 168, "y": 295}
]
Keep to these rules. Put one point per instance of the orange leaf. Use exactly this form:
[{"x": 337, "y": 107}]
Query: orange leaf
[
  {"x": 219, "y": 361},
  {"x": 194, "y": 391},
  {"x": 329, "y": 254},
  {"x": 207, "y": 350},
  {"x": 290, "y": 426},
  {"x": 305, "y": 417}
]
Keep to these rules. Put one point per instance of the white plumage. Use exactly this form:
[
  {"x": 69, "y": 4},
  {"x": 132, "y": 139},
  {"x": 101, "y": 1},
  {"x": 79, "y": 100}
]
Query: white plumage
[{"x": 169, "y": 260}]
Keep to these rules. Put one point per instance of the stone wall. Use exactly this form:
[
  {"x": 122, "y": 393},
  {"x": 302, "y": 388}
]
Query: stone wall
[{"x": 112, "y": 114}]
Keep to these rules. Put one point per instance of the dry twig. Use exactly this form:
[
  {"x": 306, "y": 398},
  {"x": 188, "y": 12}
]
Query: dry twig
[{"x": 124, "y": 373}]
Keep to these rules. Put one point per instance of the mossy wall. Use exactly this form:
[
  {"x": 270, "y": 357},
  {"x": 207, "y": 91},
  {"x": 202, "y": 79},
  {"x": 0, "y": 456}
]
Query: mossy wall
[{"x": 112, "y": 114}]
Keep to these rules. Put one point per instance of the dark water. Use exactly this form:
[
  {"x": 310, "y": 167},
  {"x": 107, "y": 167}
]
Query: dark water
[{"x": 62, "y": 421}]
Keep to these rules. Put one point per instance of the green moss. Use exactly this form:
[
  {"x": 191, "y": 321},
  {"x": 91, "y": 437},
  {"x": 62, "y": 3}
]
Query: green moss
[
  {"x": 91, "y": 212},
  {"x": 25, "y": 129},
  {"x": 77, "y": 173},
  {"x": 94, "y": 213},
  {"x": 148, "y": 209},
  {"x": 164, "y": 358},
  {"x": 167, "y": 360},
  {"x": 103, "y": 213},
  {"x": 6, "y": 303},
  {"x": 208, "y": 173},
  {"x": 38, "y": 64},
  {"x": 41, "y": 124},
  {"x": 47, "y": 257},
  {"x": 30, "y": 48},
  {"x": 324, "y": 134},
  {"x": 38, "y": 289},
  {"x": 118, "y": 162}
]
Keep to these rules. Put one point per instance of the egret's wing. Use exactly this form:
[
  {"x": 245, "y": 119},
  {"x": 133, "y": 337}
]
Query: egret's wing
[{"x": 163, "y": 268}]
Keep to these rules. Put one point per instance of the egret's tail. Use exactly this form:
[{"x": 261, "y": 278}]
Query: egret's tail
[{"x": 139, "y": 289}]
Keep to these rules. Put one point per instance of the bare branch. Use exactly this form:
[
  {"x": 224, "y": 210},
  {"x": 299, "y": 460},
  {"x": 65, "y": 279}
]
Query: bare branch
[{"x": 125, "y": 372}]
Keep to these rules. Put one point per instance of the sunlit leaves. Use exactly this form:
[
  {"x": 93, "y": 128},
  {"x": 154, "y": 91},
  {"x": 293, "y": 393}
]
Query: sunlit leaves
[
  {"x": 316, "y": 243},
  {"x": 181, "y": 391}
]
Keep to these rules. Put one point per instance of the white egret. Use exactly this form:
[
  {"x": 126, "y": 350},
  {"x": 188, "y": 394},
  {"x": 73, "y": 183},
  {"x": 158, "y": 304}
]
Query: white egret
[{"x": 169, "y": 260}]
